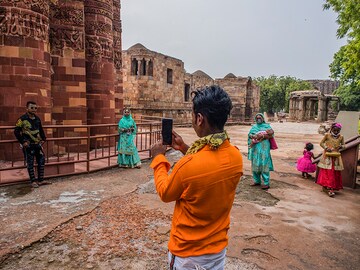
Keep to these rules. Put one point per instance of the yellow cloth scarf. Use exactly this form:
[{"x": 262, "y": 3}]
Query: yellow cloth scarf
[{"x": 213, "y": 140}]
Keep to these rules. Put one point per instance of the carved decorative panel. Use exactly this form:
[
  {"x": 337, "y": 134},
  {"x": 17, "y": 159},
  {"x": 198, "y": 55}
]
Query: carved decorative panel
[
  {"x": 98, "y": 28},
  {"x": 99, "y": 47},
  {"x": 71, "y": 38},
  {"x": 39, "y": 6},
  {"x": 117, "y": 59},
  {"x": 16, "y": 22},
  {"x": 103, "y": 8},
  {"x": 68, "y": 15}
]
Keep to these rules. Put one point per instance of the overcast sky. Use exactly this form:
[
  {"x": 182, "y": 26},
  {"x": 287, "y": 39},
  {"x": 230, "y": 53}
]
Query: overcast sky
[{"x": 245, "y": 37}]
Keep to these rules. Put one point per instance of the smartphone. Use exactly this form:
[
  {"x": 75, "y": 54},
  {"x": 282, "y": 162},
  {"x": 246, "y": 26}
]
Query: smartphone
[{"x": 166, "y": 131}]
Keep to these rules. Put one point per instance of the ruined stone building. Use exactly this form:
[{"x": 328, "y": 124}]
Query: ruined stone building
[
  {"x": 158, "y": 85},
  {"x": 326, "y": 87},
  {"x": 310, "y": 105},
  {"x": 64, "y": 55}
]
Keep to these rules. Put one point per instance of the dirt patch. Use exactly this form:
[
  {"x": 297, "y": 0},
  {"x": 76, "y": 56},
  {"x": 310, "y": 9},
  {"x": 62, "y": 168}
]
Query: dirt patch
[
  {"x": 118, "y": 234},
  {"x": 247, "y": 193}
]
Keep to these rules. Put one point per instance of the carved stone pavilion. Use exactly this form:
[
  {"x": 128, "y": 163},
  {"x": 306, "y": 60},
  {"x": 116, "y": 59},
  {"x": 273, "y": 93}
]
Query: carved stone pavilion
[{"x": 310, "y": 105}]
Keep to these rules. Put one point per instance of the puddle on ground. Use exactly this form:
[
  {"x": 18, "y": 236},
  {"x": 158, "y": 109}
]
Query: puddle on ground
[
  {"x": 74, "y": 197},
  {"x": 12, "y": 192}
]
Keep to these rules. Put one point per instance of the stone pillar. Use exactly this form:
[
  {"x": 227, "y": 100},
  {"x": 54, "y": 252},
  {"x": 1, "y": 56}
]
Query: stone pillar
[
  {"x": 67, "y": 40},
  {"x": 302, "y": 108},
  {"x": 321, "y": 109},
  {"x": 312, "y": 109},
  {"x": 24, "y": 61},
  {"x": 118, "y": 85},
  {"x": 139, "y": 68},
  {"x": 100, "y": 75},
  {"x": 291, "y": 109}
]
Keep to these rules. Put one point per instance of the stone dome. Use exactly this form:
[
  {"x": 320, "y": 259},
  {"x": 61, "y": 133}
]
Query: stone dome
[
  {"x": 138, "y": 46},
  {"x": 230, "y": 76},
  {"x": 200, "y": 73}
]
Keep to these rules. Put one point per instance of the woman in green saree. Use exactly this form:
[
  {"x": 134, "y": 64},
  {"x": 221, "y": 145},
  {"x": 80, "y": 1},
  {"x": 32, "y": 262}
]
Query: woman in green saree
[
  {"x": 128, "y": 156},
  {"x": 259, "y": 151}
]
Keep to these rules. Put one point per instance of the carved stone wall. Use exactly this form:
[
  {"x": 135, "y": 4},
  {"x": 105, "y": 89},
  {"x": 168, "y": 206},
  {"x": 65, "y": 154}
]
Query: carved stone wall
[{"x": 65, "y": 55}]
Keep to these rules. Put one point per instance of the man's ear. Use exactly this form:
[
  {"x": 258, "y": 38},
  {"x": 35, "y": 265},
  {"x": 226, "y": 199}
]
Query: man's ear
[{"x": 199, "y": 119}]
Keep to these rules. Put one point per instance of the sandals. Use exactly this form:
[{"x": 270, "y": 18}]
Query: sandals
[
  {"x": 34, "y": 184},
  {"x": 262, "y": 186},
  {"x": 42, "y": 183},
  {"x": 255, "y": 184},
  {"x": 329, "y": 192}
]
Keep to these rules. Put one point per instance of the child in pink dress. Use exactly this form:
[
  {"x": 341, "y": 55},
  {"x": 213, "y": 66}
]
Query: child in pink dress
[{"x": 304, "y": 164}]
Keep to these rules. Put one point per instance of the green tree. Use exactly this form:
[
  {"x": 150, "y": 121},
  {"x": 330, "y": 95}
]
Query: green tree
[
  {"x": 346, "y": 64},
  {"x": 275, "y": 91}
]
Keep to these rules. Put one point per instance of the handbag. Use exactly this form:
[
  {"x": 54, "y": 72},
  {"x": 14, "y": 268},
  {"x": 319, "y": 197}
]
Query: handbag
[
  {"x": 332, "y": 154},
  {"x": 273, "y": 144}
]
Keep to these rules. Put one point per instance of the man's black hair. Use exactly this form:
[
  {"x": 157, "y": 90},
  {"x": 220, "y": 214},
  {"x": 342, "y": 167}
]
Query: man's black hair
[
  {"x": 30, "y": 102},
  {"x": 213, "y": 103}
]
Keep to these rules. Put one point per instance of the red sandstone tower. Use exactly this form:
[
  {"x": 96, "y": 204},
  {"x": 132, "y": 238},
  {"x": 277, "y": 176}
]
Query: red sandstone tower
[{"x": 66, "y": 56}]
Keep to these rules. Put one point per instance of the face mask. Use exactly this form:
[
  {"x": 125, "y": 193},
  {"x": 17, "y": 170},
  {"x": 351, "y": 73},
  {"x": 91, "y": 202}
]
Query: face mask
[
  {"x": 259, "y": 121},
  {"x": 335, "y": 135}
]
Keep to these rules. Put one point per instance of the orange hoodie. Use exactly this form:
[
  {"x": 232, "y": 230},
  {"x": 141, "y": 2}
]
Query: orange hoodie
[{"x": 203, "y": 185}]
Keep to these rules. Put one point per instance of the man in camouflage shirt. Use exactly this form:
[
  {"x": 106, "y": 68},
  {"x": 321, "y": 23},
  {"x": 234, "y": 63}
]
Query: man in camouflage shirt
[{"x": 29, "y": 132}]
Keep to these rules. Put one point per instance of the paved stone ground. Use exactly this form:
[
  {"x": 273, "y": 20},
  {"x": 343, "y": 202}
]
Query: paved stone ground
[{"x": 114, "y": 219}]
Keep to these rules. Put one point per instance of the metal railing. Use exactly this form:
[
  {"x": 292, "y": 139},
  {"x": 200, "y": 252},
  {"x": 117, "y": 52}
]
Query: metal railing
[{"x": 73, "y": 149}]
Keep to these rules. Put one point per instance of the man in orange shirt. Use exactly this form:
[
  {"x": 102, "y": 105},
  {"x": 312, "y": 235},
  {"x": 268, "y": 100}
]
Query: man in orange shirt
[{"x": 202, "y": 183}]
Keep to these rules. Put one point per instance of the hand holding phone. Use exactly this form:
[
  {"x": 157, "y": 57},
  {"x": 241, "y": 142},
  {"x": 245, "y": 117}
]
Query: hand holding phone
[{"x": 166, "y": 131}]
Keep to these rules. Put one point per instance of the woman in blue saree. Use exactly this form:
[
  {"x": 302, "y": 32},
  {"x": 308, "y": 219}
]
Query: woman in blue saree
[
  {"x": 259, "y": 151},
  {"x": 128, "y": 156}
]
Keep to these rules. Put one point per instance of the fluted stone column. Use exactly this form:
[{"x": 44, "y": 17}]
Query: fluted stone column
[
  {"x": 24, "y": 61},
  {"x": 118, "y": 84},
  {"x": 321, "y": 109},
  {"x": 67, "y": 40},
  {"x": 100, "y": 75}
]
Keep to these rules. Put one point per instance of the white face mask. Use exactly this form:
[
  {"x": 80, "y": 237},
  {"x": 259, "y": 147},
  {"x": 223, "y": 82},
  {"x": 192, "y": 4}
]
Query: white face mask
[
  {"x": 335, "y": 135},
  {"x": 259, "y": 120}
]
